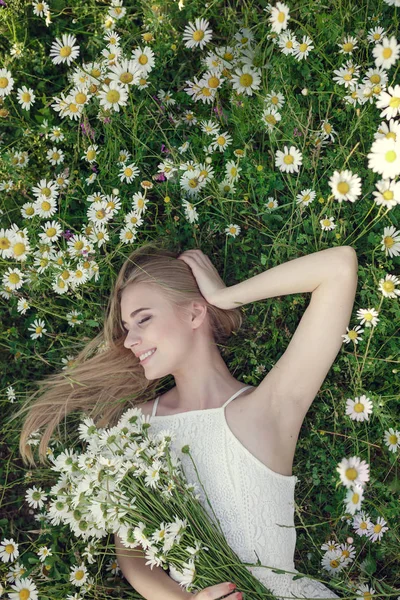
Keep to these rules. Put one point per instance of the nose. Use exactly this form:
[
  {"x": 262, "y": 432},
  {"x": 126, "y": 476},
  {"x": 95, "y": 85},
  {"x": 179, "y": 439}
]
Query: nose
[{"x": 128, "y": 341}]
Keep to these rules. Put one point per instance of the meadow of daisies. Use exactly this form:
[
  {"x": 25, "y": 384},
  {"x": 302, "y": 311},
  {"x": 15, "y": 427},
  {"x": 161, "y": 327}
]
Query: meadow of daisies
[{"x": 258, "y": 133}]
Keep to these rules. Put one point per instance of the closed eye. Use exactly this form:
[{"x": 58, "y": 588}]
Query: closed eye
[{"x": 139, "y": 323}]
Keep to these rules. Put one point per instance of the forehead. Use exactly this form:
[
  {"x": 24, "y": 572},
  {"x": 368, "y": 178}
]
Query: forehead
[{"x": 140, "y": 294}]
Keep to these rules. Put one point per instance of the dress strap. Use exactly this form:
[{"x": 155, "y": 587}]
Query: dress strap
[
  {"x": 236, "y": 394},
  {"x": 155, "y": 406}
]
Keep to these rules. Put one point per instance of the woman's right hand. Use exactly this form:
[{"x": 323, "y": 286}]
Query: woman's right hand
[{"x": 214, "y": 592}]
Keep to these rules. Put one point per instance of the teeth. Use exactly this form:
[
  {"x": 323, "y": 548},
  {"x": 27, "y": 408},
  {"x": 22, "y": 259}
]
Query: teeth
[{"x": 143, "y": 356}]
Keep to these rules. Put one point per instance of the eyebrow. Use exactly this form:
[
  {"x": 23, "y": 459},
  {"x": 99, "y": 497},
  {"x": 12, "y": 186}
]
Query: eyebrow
[{"x": 135, "y": 313}]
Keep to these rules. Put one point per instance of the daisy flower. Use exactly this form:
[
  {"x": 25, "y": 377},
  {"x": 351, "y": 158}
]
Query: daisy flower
[
  {"x": 348, "y": 45},
  {"x": 368, "y": 317},
  {"x": 144, "y": 59},
  {"x": 56, "y": 134},
  {"x": 279, "y": 17},
  {"x": 8, "y": 550},
  {"x": 359, "y": 409},
  {"x": 290, "y": 160},
  {"x": 55, "y": 156},
  {"x": 390, "y": 101},
  {"x": 43, "y": 553},
  {"x": 387, "y": 53},
  {"x": 361, "y": 524},
  {"x": 24, "y": 588},
  {"x": 331, "y": 561},
  {"x": 232, "y": 170},
  {"x": 126, "y": 72},
  {"x": 128, "y": 173},
  {"x": 352, "y": 335},
  {"x": 388, "y": 193},
  {"x": 113, "y": 96},
  {"x": 46, "y": 207},
  {"x": 72, "y": 318},
  {"x": 20, "y": 248},
  {"x": 6, "y": 82},
  {"x": 246, "y": 80},
  {"x": 127, "y": 235},
  {"x": 64, "y": 50},
  {"x": 91, "y": 153},
  {"x": 5, "y": 243},
  {"x": 353, "y": 471},
  {"x": 302, "y": 49},
  {"x": 274, "y": 99},
  {"x": 392, "y": 439},
  {"x": 11, "y": 394},
  {"x": 345, "y": 186},
  {"x": 99, "y": 235},
  {"x": 51, "y": 232},
  {"x": 35, "y": 497},
  {"x": 375, "y": 532},
  {"x": 232, "y": 230},
  {"x": 286, "y": 42},
  {"x": 25, "y": 97},
  {"x": 111, "y": 38},
  {"x": 306, "y": 197},
  {"x": 13, "y": 279},
  {"x": 37, "y": 328},
  {"x": 221, "y": 141},
  {"x": 123, "y": 156},
  {"x": 116, "y": 10},
  {"x": 391, "y": 241},
  {"x": 271, "y": 204},
  {"x": 328, "y": 224},
  {"x": 45, "y": 189},
  {"x": 40, "y": 9},
  {"x": 197, "y": 34},
  {"x": 22, "y": 306},
  {"x": 191, "y": 213},
  {"x": 387, "y": 286}
]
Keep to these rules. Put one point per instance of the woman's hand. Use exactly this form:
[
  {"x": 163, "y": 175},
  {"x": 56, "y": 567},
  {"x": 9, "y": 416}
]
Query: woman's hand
[{"x": 210, "y": 283}]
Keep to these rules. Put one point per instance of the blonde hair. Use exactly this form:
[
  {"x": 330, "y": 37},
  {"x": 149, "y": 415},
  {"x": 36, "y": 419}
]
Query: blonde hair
[{"x": 106, "y": 378}]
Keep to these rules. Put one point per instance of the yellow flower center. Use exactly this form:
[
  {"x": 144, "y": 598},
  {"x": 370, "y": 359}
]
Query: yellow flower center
[
  {"x": 234, "y": 171},
  {"x": 198, "y": 35},
  {"x": 221, "y": 140},
  {"x": 39, "y": 6},
  {"x": 45, "y": 192},
  {"x": 270, "y": 119},
  {"x": 126, "y": 77},
  {"x": 4, "y": 243},
  {"x": 65, "y": 51},
  {"x": 394, "y": 102},
  {"x": 334, "y": 563},
  {"x": 390, "y": 156},
  {"x": 26, "y": 97},
  {"x": 375, "y": 78},
  {"x": 95, "y": 72},
  {"x": 19, "y": 249},
  {"x": 128, "y": 172},
  {"x": 24, "y": 594},
  {"x": 351, "y": 473},
  {"x": 303, "y": 47},
  {"x": 51, "y": 232},
  {"x": 78, "y": 274},
  {"x": 377, "y": 528},
  {"x": 100, "y": 214},
  {"x": 359, "y": 407},
  {"x": 3, "y": 82},
  {"x": 80, "y": 98},
  {"x": 246, "y": 80},
  {"x": 55, "y": 156},
  {"x": 327, "y": 127},
  {"x": 78, "y": 245},
  {"x": 388, "y": 286},
  {"x": 143, "y": 59},
  {"x": 79, "y": 574},
  {"x": 347, "y": 77},
  {"x": 348, "y": 47},
  {"x": 281, "y": 17},
  {"x": 326, "y": 222},
  {"x": 129, "y": 235},
  {"x": 288, "y": 159},
  {"x": 213, "y": 82},
  {"x": 10, "y": 548},
  {"x": 289, "y": 44},
  {"x": 388, "y": 241},
  {"x": 393, "y": 439},
  {"x": 113, "y": 96},
  {"x": 73, "y": 107},
  {"x": 388, "y": 195},
  {"x": 355, "y": 498},
  {"x": 343, "y": 187},
  {"x": 387, "y": 53},
  {"x": 91, "y": 154},
  {"x": 38, "y": 329},
  {"x": 352, "y": 334},
  {"x": 363, "y": 525}
]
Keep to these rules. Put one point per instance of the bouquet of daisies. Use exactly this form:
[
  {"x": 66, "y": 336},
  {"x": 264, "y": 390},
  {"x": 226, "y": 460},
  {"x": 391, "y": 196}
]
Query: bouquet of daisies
[{"x": 130, "y": 483}]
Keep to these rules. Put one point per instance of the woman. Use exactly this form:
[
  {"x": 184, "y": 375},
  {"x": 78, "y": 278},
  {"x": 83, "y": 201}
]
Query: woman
[{"x": 242, "y": 439}]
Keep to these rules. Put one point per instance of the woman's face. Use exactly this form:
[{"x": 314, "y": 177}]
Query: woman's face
[{"x": 152, "y": 322}]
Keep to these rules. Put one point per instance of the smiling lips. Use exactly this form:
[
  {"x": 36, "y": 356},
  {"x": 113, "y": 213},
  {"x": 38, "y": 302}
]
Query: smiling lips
[{"x": 147, "y": 355}]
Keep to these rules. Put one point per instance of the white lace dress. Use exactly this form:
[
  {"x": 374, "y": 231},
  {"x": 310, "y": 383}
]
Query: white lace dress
[{"x": 251, "y": 501}]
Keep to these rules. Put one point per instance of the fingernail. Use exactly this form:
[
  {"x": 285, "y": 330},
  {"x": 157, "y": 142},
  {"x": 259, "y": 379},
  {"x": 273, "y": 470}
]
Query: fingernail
[{"x": 232, "y": 586}]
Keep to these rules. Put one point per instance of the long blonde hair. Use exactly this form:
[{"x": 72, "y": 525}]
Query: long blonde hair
[{"x": 106, "y": 378}]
